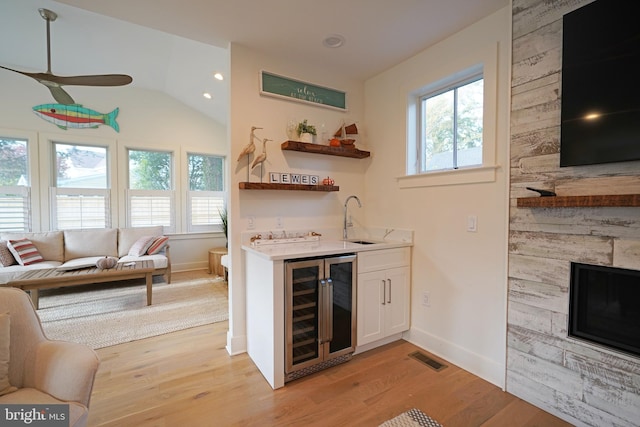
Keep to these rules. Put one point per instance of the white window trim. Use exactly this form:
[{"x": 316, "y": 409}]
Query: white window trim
[
  {"x": 184, "y": 180},
  {"x": 487, "y": 61}
]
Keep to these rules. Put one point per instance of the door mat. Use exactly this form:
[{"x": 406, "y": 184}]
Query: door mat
[{"x": 412, "y": 418}]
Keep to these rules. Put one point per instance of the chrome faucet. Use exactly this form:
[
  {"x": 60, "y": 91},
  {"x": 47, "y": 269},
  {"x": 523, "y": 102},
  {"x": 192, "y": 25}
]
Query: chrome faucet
[{"x": 345, "y": 224}]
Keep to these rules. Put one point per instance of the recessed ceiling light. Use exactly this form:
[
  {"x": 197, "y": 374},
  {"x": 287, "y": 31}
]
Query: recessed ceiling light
[
  {"x": 207, "y": 95},
  {"x": 218, "y": 76},
  {"x": 333, "y": 40}
]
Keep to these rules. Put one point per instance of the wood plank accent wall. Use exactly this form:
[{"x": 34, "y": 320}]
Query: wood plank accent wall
[{"x": 583, "y": 384}]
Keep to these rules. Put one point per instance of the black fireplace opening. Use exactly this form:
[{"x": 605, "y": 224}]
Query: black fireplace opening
[{"x": 604, "y": 306}]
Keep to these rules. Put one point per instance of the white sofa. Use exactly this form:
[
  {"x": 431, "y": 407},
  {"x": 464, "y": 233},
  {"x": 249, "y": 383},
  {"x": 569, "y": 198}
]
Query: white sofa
[{"x": 74, "y": 248}]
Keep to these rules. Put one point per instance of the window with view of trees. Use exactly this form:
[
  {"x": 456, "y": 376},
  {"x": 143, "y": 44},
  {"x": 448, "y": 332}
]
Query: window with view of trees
[
  {"x": 15, "y": 200},
  {"x": 150, "y": 197},
  {"x": 206, "y": 196},
  {"x": 80, "y": 196},
  {"x": 451, "y": 126}
]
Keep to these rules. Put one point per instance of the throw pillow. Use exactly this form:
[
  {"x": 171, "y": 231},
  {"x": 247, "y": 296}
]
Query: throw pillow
[
  {"x": 157, "y": 245},
  {"x": 5, "y": 330},
  {"x": 6, "y": 257},
  {"x": 24, "y": 251},
  {"x": 141, "y": 245}
]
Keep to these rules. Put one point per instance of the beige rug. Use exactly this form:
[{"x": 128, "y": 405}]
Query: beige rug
[
  {"x": 108, "y": 314},
  {"x": 412, "y": 418}
]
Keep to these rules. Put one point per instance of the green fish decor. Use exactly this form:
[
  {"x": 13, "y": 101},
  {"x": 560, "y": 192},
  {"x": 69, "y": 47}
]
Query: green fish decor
[{"x": 75, "y": 116}]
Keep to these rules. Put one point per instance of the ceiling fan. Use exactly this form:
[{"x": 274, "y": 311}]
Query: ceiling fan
[{"x": 54, "y": 83}]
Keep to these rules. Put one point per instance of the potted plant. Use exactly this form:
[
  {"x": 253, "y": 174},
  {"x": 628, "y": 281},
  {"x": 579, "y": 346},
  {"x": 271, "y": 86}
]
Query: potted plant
[
  {"x": 223, "y": 217},
  {"x": 306, "y": 132}
]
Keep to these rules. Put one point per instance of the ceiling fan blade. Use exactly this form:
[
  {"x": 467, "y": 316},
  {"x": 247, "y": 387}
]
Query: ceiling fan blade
[
  {"x": 94, "y": 80},
  {"x": 61, "y": 95}
]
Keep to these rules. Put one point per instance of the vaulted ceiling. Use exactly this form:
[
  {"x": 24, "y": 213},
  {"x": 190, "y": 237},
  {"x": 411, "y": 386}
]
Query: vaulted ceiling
[{"x": 175, "y": 46}]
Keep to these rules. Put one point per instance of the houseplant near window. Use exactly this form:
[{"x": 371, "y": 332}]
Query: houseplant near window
[
  {"x": 223, "y": 217},
  {"x": 306, "y": 132}
]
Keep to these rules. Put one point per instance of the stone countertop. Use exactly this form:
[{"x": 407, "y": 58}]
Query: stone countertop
[{"x": 319, "y": 248}]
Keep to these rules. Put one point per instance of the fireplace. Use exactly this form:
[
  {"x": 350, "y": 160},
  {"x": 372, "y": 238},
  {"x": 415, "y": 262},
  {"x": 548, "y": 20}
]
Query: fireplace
[{"x": 604, "y": 306}]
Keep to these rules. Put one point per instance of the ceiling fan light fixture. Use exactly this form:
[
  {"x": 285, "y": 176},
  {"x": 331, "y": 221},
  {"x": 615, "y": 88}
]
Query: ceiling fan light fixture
[{"x": 333, "y": 41}]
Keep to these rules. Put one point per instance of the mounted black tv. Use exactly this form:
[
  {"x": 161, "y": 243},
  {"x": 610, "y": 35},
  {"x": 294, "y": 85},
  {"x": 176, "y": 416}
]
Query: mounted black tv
[{"x": 600, "y": 84}]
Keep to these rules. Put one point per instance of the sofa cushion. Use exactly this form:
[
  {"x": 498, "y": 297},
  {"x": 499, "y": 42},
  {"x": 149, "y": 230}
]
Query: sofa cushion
[
  {"x": 24, "y": 251},
  {"x": 5, "y": 330},
  {"x": 49, "y": 244},
  {"x": 87, "y": 243},
  {"x": 128, "y": 236},
  {"x": 6, "y": 257}
]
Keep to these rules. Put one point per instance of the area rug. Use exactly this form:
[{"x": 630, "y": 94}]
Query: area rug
[
  {"x": 107, "y": 314},
  {"x": 412, "y": 418}
]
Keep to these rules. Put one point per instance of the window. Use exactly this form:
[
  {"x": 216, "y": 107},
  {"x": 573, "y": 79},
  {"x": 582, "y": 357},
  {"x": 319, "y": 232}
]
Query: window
[
  {"x": 80, "y": 195},
  {"x": 206, "y": 196},
  {"x": 150, "y": 197},
  {"x": 450, "y": 126},
  {"x": 15, "y": 198}
]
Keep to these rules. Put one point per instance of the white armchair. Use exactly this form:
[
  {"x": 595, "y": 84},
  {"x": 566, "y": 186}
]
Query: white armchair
[{"x": 42, "y": 370}]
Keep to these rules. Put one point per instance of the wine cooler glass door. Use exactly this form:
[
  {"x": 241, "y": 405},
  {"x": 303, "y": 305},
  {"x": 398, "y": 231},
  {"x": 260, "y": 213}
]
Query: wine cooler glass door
[
  {"x": 303, "y": 313},
  {"x": 341, "y": 302}
]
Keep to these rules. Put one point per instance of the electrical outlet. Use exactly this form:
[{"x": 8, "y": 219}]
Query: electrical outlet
[
  {"x": 426, "y": 299},
  {"x": 251, "y": 222},
  {"x": 279, "y": 222}
]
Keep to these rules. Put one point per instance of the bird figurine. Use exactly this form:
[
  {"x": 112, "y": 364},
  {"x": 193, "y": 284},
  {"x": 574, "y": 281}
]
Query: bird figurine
[
  {"x": 259, "y": 160},
  {"x": 251, "y": 146}
]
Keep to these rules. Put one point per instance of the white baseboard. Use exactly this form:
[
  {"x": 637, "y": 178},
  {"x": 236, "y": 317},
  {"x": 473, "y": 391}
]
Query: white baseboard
[
  {"x": 485, "y": 368},
  {"x": 236, "y": 345}
]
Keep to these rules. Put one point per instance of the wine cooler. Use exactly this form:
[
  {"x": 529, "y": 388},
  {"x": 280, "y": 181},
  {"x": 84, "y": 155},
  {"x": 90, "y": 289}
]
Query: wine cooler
[{"x": 320, "y": 317}]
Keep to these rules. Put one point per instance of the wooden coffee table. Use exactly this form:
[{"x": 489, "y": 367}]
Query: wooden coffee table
[{"x": 48, "y": 278}]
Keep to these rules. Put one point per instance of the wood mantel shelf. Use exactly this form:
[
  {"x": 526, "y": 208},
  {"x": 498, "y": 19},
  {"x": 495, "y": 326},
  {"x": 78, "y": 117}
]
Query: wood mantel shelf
[
  {"x": 324, "y": 149},
  {"x": 611, "y": 200},
  {"x": 289, "y": 187}
]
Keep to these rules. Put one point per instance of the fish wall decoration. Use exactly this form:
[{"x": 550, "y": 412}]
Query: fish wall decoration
[{"x": 76, "y": 116}]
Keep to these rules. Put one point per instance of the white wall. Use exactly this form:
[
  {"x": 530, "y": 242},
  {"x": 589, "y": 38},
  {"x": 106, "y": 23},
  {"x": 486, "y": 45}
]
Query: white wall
[
  {"x": 147, "y": 119},
  {"x": 464, "y": 272},
  {"x": 298, "y": 209}
]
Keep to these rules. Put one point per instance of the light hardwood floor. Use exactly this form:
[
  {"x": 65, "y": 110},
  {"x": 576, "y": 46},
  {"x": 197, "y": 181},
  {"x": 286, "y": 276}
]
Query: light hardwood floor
[{"x": 187, "y": 379}]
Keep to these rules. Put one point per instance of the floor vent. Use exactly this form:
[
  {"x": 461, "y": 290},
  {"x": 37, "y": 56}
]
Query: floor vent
[{"x": 433, "y": 364}]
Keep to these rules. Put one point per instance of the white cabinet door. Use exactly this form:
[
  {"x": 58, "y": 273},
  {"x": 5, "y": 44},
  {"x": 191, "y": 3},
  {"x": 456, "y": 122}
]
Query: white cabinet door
[
  {"x": 370, "y": 309},
  {"x": 396, "y": 315}
]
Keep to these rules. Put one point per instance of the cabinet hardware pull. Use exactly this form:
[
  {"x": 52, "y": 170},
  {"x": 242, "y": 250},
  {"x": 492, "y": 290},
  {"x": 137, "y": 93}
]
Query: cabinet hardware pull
[
  {"x": 389, "y": 300},
  {"x": 321, "y": 301},
  {"x": 384, "y": 292}
]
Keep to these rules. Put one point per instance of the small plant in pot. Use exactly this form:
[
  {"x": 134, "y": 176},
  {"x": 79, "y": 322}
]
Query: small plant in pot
[
  {"x": 223, "y": 217},
  {"x": 306, "y": 132}
]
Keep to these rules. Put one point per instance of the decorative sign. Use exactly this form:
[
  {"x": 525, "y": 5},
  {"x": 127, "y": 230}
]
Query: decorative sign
[
  {"x": 284, "y": 87},
  {"x": 293, "y": 178}
]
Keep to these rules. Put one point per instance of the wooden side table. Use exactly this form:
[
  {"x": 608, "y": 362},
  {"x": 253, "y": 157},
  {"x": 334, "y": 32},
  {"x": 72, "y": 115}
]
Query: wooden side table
[{"x": 215, "y": 266}]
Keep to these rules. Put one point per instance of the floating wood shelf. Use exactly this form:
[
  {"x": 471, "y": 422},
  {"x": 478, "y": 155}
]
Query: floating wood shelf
[
  {"x": 288, "y": 187},
  {"x": 611, "y": 200},
  {"x": 324, "y": 149}
]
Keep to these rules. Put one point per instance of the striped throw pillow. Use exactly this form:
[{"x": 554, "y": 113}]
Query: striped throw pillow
[
  {"x": 158, "y": 244},
  {"x": 24, "y": 251}
]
